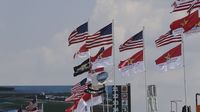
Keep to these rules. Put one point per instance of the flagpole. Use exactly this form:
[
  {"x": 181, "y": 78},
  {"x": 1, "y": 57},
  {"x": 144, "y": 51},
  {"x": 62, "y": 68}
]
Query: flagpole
[
  {"x": 103, "y": 101},
  {"x": 184, "y": 71},
  {"x": 92, "y": 102},
  {"x": 107, "y": 99},
  {"x": 90, "y": 65},
  {"x": 145, "y": 73},
  {"x": 113, "y": 50}
]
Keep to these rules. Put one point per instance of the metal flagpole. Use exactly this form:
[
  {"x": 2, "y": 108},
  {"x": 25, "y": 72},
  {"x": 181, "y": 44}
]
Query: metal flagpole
[
  {"x": 184, "y": 71},
  {"x": 92, "y": 103},
  {"x": 145, "y": 71},
  {"x": 103, "y": 102},
  {"x": 113, "y": 50},
  {"x": 42, "y": 108},
  {"x": 107, "y": 99},
  {"x": 90, "y": 66}
]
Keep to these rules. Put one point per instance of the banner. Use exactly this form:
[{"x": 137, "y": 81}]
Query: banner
[
  {"x": 123, "y": 98},
  {"x": 152, "y": 98}
]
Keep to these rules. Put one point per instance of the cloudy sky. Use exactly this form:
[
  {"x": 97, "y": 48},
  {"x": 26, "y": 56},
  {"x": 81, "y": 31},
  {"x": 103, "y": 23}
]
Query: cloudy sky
[{"x": 34, "y": 49}]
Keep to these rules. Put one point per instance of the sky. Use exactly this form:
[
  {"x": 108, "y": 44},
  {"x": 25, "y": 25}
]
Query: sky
[{"x": 35, "y": 51}]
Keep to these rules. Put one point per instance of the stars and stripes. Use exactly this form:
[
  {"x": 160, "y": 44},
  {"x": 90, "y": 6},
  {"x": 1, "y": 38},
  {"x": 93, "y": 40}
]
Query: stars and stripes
[
  {"x": 167, "y": 39},
  {"x": 81, "y": 86},
  {"x": 180, "y": 5},
  {"x": 77, "y": 90},
  {"x": 79, "y": 34},
  {"x": 196, "y": 4},
  {"x": 100, "y": 38},
  {"x": 135, "y": 41}
]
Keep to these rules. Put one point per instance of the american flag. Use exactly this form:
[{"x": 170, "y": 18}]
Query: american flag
[
  {"x": 77, "y": 90},
  {"x": 167, "y": 39},
  {"x": 182, "y": 5},
  {"x": 135, "y": 41},
  {"x": 79, "y": 34},
  {"x": 196, "y": 4},
  {"x": 81, "y": 86},
  {"x": 100, "y": 38}
]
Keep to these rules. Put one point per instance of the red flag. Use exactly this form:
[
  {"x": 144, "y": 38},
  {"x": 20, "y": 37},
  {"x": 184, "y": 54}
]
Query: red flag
[
  {"x": 83, "y": 52},
  {"x": 133, "y": 64},
  {"x": 187, "y": 23},
  {"x": 195, "y": 29},
  {"x": 170, "y": 60},
  {"x": 102, "y": 59}
]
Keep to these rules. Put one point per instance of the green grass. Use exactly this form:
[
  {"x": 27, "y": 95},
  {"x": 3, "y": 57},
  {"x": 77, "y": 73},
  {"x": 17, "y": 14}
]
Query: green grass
[
  {"x": 56, "y": 106},
  {"x": 49, "y": 106}
]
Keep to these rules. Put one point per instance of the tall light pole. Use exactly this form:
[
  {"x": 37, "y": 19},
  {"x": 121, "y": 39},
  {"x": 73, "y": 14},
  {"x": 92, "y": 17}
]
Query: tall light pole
[{"x": 176, "y": 104}]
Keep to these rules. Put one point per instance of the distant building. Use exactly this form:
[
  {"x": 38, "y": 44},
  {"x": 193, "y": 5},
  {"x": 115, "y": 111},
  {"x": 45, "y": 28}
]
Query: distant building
[{"x": 7, "y": 89}]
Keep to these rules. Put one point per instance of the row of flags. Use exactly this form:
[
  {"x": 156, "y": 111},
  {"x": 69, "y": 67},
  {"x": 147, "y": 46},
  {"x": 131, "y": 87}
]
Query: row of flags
[
  {"x": 104, "y": 57},
  {"x": 186, "y": 25},
  {"x": 133, "y": 64},
  {"x": 85, "y": 94},
  {"x": 183, "y": 26}
]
